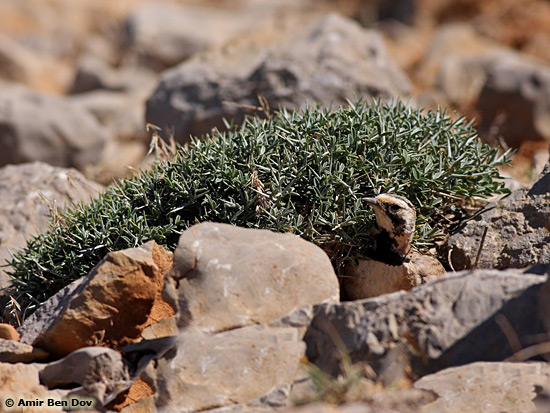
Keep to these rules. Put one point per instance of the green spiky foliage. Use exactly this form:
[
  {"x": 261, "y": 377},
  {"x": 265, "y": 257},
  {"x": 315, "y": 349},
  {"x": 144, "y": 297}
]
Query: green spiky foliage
[{"x": 304, "y": 172}]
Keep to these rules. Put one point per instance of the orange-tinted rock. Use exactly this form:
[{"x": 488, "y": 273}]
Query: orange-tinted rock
[
  {"x": 119, "y": 298},
  {"x": 138, "y": 391}
]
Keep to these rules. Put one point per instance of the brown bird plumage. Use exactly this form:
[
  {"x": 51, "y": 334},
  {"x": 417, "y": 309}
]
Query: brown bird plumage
[{"x": 396, "y": 266}]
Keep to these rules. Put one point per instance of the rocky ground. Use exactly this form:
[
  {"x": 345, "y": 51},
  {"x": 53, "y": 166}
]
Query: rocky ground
[{"x": 249, "y": 320}]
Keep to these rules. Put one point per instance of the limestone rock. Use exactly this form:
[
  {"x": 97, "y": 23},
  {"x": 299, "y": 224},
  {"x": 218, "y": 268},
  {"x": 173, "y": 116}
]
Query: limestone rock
[
  {"x": 42, "y": 318},
  {"x": 15, "y": 352},
  {"x": 21, "y": 382},
  {"x": 244, "y": 300},
  {"x": 162, "y": 35},
  {"x": 166, "y": 327},
  {"x": 333, "y": 60},
  {"x": 27, "y": 193},
  {"x": 122, "y": 113},
  {"x": 461, "y": 78},
  {"x": 457, "y": 60},
  {"x": 329, "y": 62},
  {"x": 516, "y": 99},
  {"x": 226, "y": 277},
  {"x": 319, "y": 407},
  {"x": 111, "y": 306},
  {"x": 517, "y": 231},
  {"x": 92, "y": 73},
  {"x": 396, "y": 401},
  {"x": 42, "y": 127},
  {"x": 449, "y": 322},
  {"x": 495, "y": 387},
  {"x": 509, "y": 90},
  {"x": 102, "y": 373},
  {"x": 208, "y": 370},
  {"x": 22, "y": 65}
]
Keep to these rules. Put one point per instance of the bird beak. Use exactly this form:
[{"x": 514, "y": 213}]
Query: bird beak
[{"x": 372, "y": 202}]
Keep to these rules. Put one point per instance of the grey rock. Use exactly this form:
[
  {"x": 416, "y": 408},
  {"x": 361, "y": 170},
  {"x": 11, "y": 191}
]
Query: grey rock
[
  {"x": 92, "y": 73},
  {"x": 271, "y": 402},
  {"x": 474, "y": 71},
  {"x": 396, "y": 401},
  {"x": 331, "y": 61},
  {"x": 43, "y": 127},
  {"x": 354, "y": 407},
  {"x": 488, "y": 387},
  {"x": 461, "y": 78},
  {"x": 515, "y": 102},
  {"x": 162, "y": 35},
  {"x": 246, "y": 407},
  {"x": 120, "y": 112},
  {"x": 510, "y": 90},
  {"x": 27, "y": 192},
  {"x": 101, "y": 371},
  {"x": 49, "y": 311},
  {"x": 12, "y": 351},
  {"x": 334, "y": 60},
  {"x": 456, "y": 61},
  {"x": 116, "y": 97},
  {"x": 449, "y": 322},
  {"x": 138, "y": 355},
  {"x": 517, "y": 231},
  {"x": 195, "y": 97},
  {"x": 225, "y": 277},
  {"x": 252, "y": 365},
  {"x": 101, "y": 46}
]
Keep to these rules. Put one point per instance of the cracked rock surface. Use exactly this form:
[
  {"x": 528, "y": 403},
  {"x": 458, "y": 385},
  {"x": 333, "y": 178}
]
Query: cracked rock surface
[
  {"x": 449, "y": 322},
  {"x": 518, "y": 231}
]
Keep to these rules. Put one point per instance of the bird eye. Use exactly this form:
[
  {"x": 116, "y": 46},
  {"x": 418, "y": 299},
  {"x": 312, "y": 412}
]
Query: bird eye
[{"x": 394, "y": 207}]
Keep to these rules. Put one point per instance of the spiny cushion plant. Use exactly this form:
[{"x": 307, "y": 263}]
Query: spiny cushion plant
[{"x": 300, "y": 171}]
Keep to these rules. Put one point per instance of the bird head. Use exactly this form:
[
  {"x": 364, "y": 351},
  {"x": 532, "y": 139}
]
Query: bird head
[{"x": 396, "y": 216}]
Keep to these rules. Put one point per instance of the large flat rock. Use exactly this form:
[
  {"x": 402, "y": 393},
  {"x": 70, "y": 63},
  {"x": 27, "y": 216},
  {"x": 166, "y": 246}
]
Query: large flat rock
[
  {"x": 208, "y": 370},
  {"x": 453, "y": 321}
]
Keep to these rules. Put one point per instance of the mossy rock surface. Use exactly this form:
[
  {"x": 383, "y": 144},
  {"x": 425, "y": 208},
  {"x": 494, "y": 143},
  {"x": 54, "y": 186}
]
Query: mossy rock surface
[{"x": 304, "y": 172}]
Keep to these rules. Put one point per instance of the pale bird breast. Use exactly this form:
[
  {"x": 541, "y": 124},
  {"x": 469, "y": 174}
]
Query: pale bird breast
[{"x": 373, "y": 278}]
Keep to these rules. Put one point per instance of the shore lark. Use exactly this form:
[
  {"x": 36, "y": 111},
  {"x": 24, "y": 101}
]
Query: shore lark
[{"x": 395, "y": 265}]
